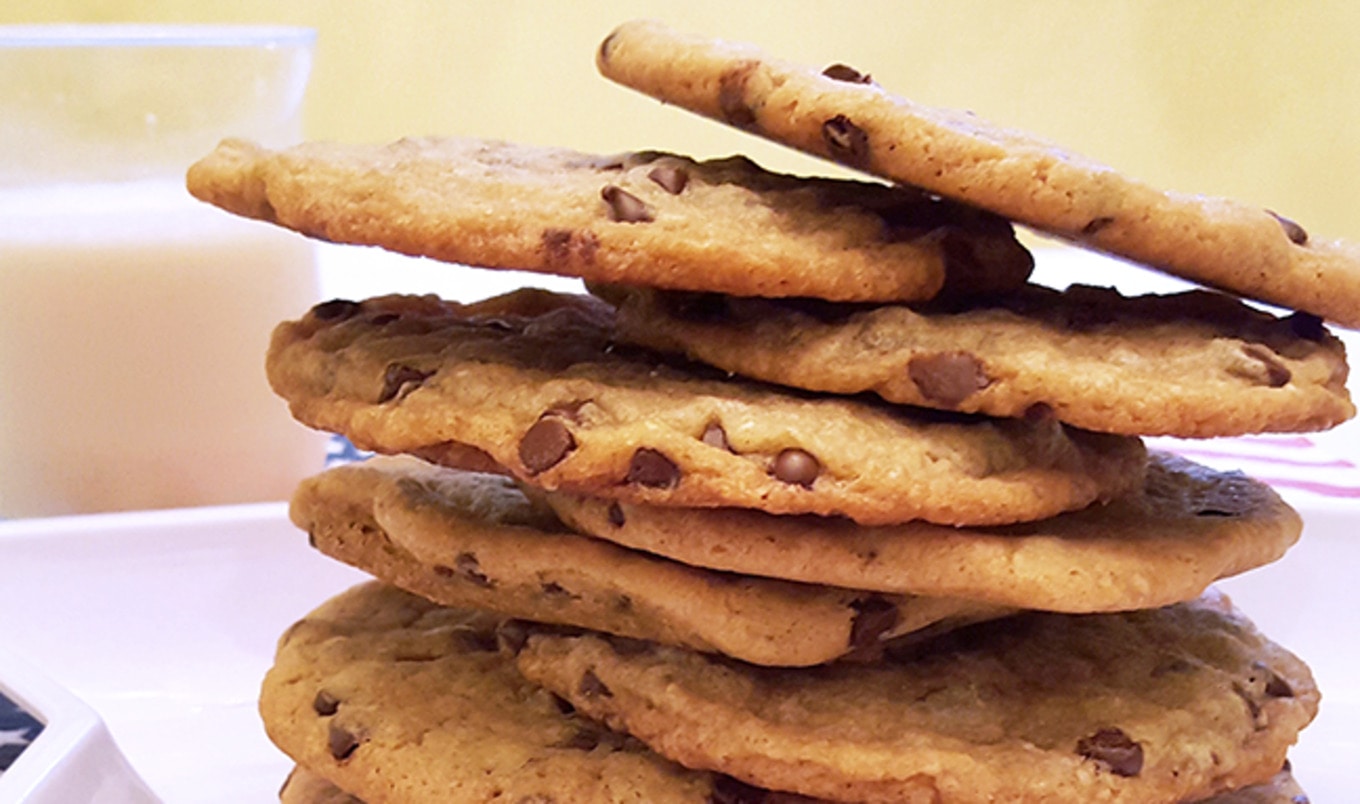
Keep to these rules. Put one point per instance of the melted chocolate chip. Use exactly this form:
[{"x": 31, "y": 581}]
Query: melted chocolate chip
[
  {"x": 555, "y": 589},
  {"x": 727, "y": 790},
  {"x": 947, "y": 378},
  {"x": 545, "y": 444},
  {"x": 335, "y": 309},
  {"x": 471, "y": 640},
  {"x": 797, "y": 466},
  {"x": 652, "y": 469},
  {"x": 469, "y": 569},
  {"x": 1296, "y": 233},
  {"x": 1039, "y": 412},
  {"x": 615, "y": 515},
  {"x": 400, "y": 380},
  {"x": 1275, "y": 686},
  {"x": 512, "y": 636},
  {"x": 592, "y": 687},
  {"x": 1307, "y": 326},
  {"x": 732, "y": 95},
  {"x": 1275, "y": 374},
  {"x": 625, "y": 207},
  {"x": 672, "y": 179},
  {"x": 325, "y": 704},
  {"x": 847, "y": 142},
  {"x": 1114, "y": 749},
  {"x": 844, "y": 72},
  {"x": 1095, "y": 225},
  {"x": 568, "y": 246},
  {"x": 341, "y": 742},
  {"x": 715, "y": 436},
  {"x": 1213, "y": 512},
  {"x": 874, "y": 617}
]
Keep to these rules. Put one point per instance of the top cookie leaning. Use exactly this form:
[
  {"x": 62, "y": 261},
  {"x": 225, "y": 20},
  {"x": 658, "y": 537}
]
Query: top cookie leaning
[
  {"x": 640, "y": 218},
  {"x": 840, "y": 114}
]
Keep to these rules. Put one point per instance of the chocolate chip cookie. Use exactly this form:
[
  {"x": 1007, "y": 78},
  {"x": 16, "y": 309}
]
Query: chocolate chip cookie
[
  {"x": 1193, "y": 365},
  {"x": 533, "y": 382},
  {"x": 841, "y": 114},
  {"x": 647, "y": 217},
  {"x": 1189, "y": 526},
  {"x": 304, "y": 787},
  {"x": 390, "y": 697},
  {"x": 467, "y": 539},
  {"x": 1169, "y": 704}
]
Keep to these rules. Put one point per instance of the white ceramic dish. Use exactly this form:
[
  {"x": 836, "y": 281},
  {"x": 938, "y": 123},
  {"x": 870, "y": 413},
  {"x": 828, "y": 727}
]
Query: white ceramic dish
[
  {"x": 69, "y": 754},
  {"x": 165, "y": 622}
]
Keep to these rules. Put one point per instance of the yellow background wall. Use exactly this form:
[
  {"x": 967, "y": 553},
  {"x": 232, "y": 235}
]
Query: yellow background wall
[{"x": 1251, "y": 99}]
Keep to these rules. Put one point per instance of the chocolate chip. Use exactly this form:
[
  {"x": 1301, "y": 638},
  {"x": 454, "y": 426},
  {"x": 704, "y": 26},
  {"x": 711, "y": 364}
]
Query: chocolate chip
[
  {"x": 1275, "y": 686},
  {"x": 568, "y": 246},
  {"x": 341, "y": 741},
  {"x": 1095, "y": 225},
  {"x": 615, "y": 515},
  {"x": 796, "y": 466},
  {"x": 874, "y": 617},
  {"x": 947, "y": 378},
  {"x": 1296, "y": 233},
  {"x": 592, "y": 687},
  {"x": 325, "y": 704},
  {"x": 1264, "y": 366},
  {"x": 1039, "y": 413},
  {"x": 715, "y": 436},
  {"x": 335, "y": 309},
  {"x": 471, "y": 640},
  {"x": 847, "y": 142},
  {"x": 545, "y": 444},
  {"x": 672, "y": 179},
  {"x": 625, "y": 207},
  {"x": 652, "y": 469},
  {"x": 1307, "y": 326},
  {"x": 400, "y": 380},
  {"x": 732, "y": 95},
  {"x": 512, "y": 636},
  {"x": 844, "y": 72},
  {"x": 469, "y": 569},
  {"x": 1212, "y": 512},
  {"x": 727, "y": 790},
  {"x": 1113, "y": 748}
]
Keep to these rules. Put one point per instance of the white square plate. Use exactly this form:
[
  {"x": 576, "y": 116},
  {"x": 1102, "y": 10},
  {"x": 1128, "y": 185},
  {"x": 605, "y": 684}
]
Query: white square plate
[{"x": 165, "y": 622}]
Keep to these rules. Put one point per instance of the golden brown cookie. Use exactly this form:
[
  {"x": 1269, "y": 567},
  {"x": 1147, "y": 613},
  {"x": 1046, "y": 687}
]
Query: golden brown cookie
[
  {"x": 533, "y": 382},
  {"x": 1170, "y": 704},
  {"x": 839, "y": 113},
  {"x": 649, "y": 217},
  {"x": 304, "y": 787},
  {"x": 393, "y": 698},
  {"x": 467, "y": 539},
  {"x": 1194, "y": 365},
  {"x": 1189, "y": 526}
]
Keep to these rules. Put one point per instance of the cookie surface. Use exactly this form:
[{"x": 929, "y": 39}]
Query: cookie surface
[
  {"x": 1170, "y": 704},
  {"x": 1192, "y": 365},
  {"x": 466, "y": 539},
  {"x": 840, "y": 114},
  {"x": 392, "y": 698},
  {"x": 532, "y": 382},
  {"x": 1189, "y": 526},
  {"x": 647, "y": 217}
]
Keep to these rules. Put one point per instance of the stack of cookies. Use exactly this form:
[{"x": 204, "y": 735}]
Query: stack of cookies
[{"x": 813, "y": 496}]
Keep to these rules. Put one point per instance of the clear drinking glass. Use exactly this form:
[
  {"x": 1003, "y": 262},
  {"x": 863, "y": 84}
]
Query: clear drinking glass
[{"x": 133, "y": 318}]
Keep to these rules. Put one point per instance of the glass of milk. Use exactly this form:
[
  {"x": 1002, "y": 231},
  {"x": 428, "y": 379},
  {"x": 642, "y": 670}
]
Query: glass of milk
[{"x": 133, "y": 319}]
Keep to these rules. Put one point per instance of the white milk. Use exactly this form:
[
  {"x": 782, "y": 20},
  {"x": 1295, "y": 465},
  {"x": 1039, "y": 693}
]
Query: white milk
[{"x": 133, "y": 327}]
